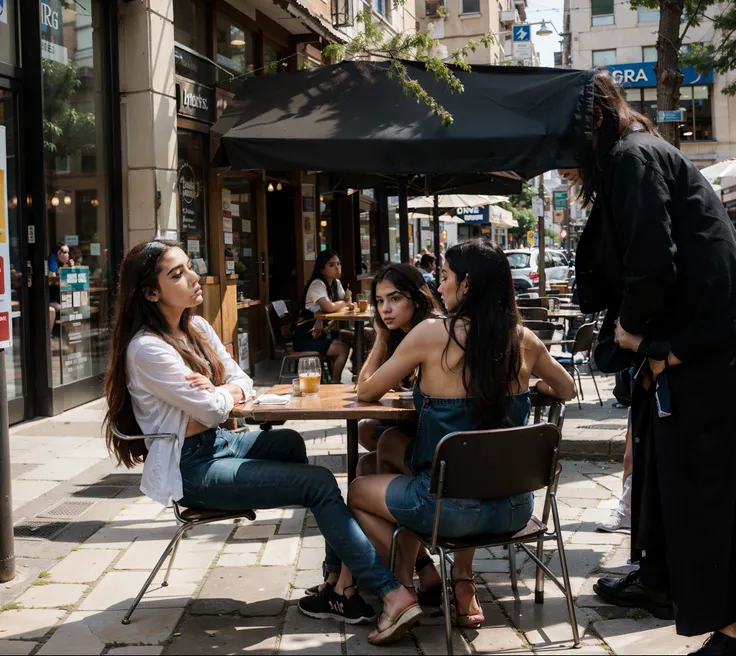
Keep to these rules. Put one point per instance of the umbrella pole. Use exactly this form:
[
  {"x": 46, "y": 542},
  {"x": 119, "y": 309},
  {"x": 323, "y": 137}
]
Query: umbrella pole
[
  {"x": 403, "y": 221},
  {"x": 437, "y": 238}
]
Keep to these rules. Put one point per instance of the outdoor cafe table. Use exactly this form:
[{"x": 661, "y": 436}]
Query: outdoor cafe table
[
  {"x": 333, "y": 402},
  {"x": 564, "y": 314},
  {"x": 359, "y": 319}
]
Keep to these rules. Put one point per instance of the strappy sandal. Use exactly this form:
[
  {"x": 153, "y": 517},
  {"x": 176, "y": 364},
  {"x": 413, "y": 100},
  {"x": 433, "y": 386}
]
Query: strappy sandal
[
  {"x": 398, "y": 625},
  {"x": 464, "y": 621}
]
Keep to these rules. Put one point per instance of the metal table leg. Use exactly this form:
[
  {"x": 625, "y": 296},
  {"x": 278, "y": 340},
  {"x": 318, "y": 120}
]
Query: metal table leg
[
  {"x": 352, "y": 448},
  {"x": 358, "y": 348}
]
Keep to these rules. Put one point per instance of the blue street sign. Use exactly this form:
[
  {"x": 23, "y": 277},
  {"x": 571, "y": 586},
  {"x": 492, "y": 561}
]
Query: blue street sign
[
  {"x": 521, "y": 33},
  {"x": 641, "y": 75},
  {"x": 669, "y": 116}
]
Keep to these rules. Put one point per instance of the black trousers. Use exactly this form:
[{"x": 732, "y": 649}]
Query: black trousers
[{"x": 684, "y": 492}]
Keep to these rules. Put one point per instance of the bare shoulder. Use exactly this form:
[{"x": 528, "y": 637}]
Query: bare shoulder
[
  {"x": 530, "y": 343},
  {"x": 429, "y": 331}
]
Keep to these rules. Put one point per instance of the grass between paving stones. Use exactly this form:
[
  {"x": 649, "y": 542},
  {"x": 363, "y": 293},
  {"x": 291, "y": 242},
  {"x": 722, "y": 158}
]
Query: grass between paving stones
[
  {"x": 637, "y": 614},
  {"x": 39, "y": 583},
  {"x": 45, "y": 574},
  {"x": 12, "y": 605}
]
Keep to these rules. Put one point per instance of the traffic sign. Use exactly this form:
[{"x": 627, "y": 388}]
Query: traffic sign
[
  {"x": 521, "y": 33},
  {"x": 563, "y": 233},
  {"x": 670, "y": 115},
  {"x": 559, "y": 200},
  {"x": 537, "y": 206},
  {"x": 522, "y": 41}
]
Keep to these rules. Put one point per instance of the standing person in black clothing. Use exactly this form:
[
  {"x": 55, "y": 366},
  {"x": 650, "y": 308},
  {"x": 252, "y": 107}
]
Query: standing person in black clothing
[{"x": 659, "y": 252}]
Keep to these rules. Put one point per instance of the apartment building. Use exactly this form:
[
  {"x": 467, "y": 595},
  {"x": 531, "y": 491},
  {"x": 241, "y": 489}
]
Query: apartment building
[
  {"x": 610, "y": 33},
  {"x": 456, "y": 22}
]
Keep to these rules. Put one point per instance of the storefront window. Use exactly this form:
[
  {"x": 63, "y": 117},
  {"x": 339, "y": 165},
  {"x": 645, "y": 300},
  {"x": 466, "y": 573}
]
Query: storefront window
[
  {"x": 365, "y": 240},
  {"x": 8, "y": 40},
  {"x": 695, "y": 100},
  {"x": 240, "y": 256},
  {"x": 74, "y": 101},
  {"x": 190, "y": 24},
  {"x": 235, "y": 46},
  {"x": 272, "y": 60},
  {"x": 191, "y": 197}
]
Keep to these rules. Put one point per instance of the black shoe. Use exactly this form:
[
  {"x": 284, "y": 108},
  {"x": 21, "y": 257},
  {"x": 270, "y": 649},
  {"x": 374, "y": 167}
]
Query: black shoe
[
  {"x": 719, "y": 644},
  {"x": 630, "y": 593},
  {"x": 327, "y": 604},
  {"x": 432, "y": 596},
  {"x": 315, "y": 589}
]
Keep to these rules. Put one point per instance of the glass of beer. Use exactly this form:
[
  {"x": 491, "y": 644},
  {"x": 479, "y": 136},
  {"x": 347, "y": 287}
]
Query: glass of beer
[{"x": 310, "y": 374}]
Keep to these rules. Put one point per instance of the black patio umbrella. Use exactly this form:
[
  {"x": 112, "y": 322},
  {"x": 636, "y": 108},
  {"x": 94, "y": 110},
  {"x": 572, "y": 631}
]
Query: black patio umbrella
[{"x": 353, "y": 118}]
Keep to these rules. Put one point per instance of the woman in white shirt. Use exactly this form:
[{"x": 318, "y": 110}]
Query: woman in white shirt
[
  {"x": 323, "y": 293},
  {"x": 170, "y": 373}
]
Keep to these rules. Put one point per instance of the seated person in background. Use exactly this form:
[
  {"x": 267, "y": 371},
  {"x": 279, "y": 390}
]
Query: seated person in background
[
  {"x": 324, "y": 293},
  {"x": 170, "y": 373},
  {"x": 427, "y": 266},
  {"x": 60, "y": 257},
  {"x": 473, "y": 374}
]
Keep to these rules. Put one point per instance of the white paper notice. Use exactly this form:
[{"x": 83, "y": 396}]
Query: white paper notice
[
  {"x": 235, "y": 209},
  {"x": 246, "y": 225},
  {"x": 193, "y": 246},
  {"x": 76, "y": 299},
  {"x": 94, "y": 250},
  {"x": 229, "y": 266},
  {"x": 229, "y": 238},
  {"x": 227, "y": 225}
]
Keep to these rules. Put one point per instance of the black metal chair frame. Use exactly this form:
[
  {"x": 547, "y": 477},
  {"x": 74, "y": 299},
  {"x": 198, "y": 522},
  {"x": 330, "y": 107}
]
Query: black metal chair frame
[
  {"x": 188, "y": 518},
  {"x": 583, "y": 343},
  {"x": 291, "y": 357},
  {"x": 536, "y": 531}
]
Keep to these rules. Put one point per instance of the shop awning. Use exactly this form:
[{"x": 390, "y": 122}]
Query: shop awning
[{"x": 353, "y": 118}]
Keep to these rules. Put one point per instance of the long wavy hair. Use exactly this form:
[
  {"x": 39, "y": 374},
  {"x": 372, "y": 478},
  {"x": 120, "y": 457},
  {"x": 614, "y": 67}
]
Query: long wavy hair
[
  {"x": 409, "y": 281},
  {"x": 492, "y": 358},
  {"x": 320, "y": 263},
  {"x": 133, "y": 313},
  {"x": 618, "y": 118}
]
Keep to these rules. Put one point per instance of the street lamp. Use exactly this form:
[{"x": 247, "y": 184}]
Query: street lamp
[{"x": 544, "y": 30}]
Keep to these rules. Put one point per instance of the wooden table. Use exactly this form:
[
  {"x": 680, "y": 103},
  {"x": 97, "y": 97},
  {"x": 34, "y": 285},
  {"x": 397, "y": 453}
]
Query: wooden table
[
  {"x": 565, "y": 314},
  {"x": 333, "y": 402},
  {"x": 359, "y": 319}
]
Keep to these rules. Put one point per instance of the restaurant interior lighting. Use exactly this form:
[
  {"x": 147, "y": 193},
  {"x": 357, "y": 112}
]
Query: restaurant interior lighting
[
  {"x": 94, "y": 202},
  {"x": 67, "y": 200},
  {"x": 278, "y": 186},
  {"x": 687, "y": 134},
  {"x": 323, "y": 224},
  {"x": 270, "y": 186},
  {"x": 55, "y": 201},
  {"x": 238, "y": 41}
]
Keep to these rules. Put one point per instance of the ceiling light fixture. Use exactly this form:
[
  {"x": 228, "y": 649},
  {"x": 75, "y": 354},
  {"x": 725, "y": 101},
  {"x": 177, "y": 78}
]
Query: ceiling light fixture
[
  {"x": 687, "y": 134},
  {"x": 278, "y": 186},
  {"x": 270, "y": 186},
  {"x": 238, "y": 42},
  {"x": 55, "y": 201},
  {"x": 323, "y": 224},
  {"x": 67, "y": 200}
]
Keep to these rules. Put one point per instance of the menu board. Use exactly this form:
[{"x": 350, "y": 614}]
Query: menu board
[
  {"x": 6, "y": 325},
  {"x": 76, "y": 360}
]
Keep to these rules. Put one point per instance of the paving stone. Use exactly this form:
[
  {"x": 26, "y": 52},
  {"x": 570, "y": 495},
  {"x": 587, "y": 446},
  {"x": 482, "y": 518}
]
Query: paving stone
[
  {"x": 16, "y": 647},
  {"x": 597, "y": 538},
  {"x": 88, "y": 633},
  {"x": 314, "y": 541},
  {"x": 243, "y": 547},
  {"x": 254, "y": 532},
  {"x": 59, "y": 469},
  {"x": 251, "y": 592},
  {"x": 496, "y": 636},
  {"x": 52, "y": 595},
  {"x": 117, "y": 590},
  {"x": 579, "y": 492},
  {"x": 595, "y": 515},
  {"x": 293, "y": 521},
  {"x": 120, "y": 535},
  {"x": 139, "y": 511},
  {"x": 280, "y": 550},
  {"x": 306, "y": 579},
  {"x": 83, "y": 566},
  {"x": 484, "y": 566},
  {"x": 356, "y": 642},
  {"x": 145, "y": 555},
  {"x": 303, "y": 635},
  {"x": 311, "y": 558},
  {"x": 225, "y": 635},
  {"x": 29, "y": 490},
  {"x": 587, "y": 648},
  {"x": 28, "y": 624},
  {"x": 135, "y": 651},
  {"x": 617, "y": 561},
  {"x": 431, "y": 639},
  {"x": 646, "y": 636},
  {"x": 237, "y": 560}
]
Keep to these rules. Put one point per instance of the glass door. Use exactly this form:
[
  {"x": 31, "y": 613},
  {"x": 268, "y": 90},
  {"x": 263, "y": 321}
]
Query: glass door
[{"x": 16, "y": 357}]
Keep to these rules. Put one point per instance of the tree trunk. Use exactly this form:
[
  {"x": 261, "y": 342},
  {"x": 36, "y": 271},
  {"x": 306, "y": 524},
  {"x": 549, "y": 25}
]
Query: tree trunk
[{"x": 669, "y": 76}]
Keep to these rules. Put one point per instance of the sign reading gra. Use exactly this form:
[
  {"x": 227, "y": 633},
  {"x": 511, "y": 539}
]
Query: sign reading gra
[{"x": 633, "y": 76}]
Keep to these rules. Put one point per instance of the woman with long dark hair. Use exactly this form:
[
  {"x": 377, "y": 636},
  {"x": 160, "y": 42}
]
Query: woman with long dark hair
[
  {"x": 170, "y": 373},
  {"x": 473, "y": 373},
  {"x": 323, "y": 293},
  {"x": 659, "y": 254}
]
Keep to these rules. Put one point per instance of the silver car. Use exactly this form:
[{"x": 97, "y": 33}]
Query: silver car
[{"x": 524, "y": 265}]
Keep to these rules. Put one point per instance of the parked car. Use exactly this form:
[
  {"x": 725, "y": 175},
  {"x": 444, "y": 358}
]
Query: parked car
[{"x": 524, "y": 265}]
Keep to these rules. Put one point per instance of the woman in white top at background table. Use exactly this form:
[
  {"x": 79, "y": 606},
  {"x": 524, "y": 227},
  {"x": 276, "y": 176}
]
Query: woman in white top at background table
[
  {"x": 170, "y": 373},
  {"x": 324, "y": 293}
]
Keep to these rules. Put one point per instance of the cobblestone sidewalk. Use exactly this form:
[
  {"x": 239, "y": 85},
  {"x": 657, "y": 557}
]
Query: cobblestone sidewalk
[{"x": 91, "y": 539}]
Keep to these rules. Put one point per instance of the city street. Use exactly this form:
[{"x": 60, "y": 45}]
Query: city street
[{"x": 90, "y": 540}]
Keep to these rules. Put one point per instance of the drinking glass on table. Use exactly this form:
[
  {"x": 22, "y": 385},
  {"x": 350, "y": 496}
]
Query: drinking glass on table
[{"x": 310, "y": 374}]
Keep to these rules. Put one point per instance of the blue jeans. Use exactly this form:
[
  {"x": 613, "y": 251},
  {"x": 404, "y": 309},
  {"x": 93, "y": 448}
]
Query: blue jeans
[{"x": 268, "y": 469}]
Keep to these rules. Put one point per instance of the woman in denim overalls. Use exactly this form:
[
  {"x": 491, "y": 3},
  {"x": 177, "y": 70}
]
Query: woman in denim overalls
[{"x": 474, "y": 371}]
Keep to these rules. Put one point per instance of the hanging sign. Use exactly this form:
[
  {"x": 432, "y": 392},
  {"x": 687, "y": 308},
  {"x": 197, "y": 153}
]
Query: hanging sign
[
  {"x": 6, "y": 311},
  {"x": 522, "y": 41},
  {"x": 559, "y": 200}
]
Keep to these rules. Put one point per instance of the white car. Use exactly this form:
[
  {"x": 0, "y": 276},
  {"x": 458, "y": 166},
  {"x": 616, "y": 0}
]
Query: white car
[{"x": 525, "y": 266}]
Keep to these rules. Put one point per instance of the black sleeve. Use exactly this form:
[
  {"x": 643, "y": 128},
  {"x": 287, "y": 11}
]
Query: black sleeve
[{"x": 642, "y": 205}]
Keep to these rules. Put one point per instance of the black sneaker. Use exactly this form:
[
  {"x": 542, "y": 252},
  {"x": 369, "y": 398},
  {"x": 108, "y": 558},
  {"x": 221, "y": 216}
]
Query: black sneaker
[
  {"x": 327, "y": 604},
  {"x": 629, "y": 592},
  {"x": 719, "y": 644}
]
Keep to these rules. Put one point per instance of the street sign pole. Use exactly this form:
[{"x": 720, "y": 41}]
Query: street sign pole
[
  {"x": 7, "y": 546},
  {"x": 542, "y": 276}
]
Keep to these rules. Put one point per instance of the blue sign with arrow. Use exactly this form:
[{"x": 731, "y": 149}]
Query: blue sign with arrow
[{"x": 521, "y": 33}]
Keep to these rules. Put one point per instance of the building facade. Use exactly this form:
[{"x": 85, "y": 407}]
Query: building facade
[
  {"x": 107, "y": 108},
  {"x": 611, "y": 34}
]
